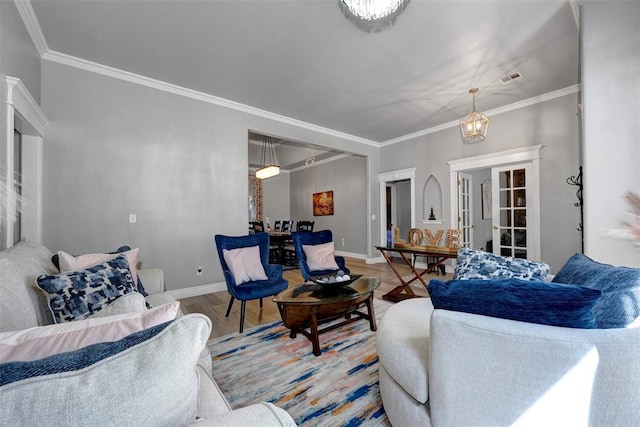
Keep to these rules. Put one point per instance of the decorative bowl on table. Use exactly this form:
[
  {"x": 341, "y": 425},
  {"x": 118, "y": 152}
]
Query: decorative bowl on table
[{"x": 338, "y": 279}]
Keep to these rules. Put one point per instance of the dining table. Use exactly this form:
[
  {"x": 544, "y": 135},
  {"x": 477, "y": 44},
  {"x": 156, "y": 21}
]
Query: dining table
[{"x": 281, "y": 239}]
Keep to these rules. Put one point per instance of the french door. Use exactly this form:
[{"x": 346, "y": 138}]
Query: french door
[
  {"x": 465, "y": 209},
  {"x": 513, "y": 212}
]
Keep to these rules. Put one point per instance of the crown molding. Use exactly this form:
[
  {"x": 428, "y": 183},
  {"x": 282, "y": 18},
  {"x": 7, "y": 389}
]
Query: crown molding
[
  {"x": 496, "y": 111},
  {"x": 83, "y": 64},
  {"x": 25, "y": 9},
  {"x": 25, "y": 105}
]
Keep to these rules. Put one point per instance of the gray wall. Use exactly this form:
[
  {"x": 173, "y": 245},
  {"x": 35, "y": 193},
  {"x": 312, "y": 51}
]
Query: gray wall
[
  {"x": 552, "y": 123},
  {"x": 611, "y": 76},
  {"x": 482, "y": 231},
  {"x": 180, "y": 164},
  {"x": 275, "y": 198},
  {"x": 347, "y": 178},
  {"x": 18, "y": 55}
]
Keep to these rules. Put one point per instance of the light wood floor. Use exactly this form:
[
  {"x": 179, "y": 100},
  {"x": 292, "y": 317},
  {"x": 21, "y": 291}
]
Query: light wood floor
[{"x": 215, "y": 305}]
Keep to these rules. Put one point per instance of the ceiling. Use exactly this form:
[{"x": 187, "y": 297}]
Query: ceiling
[{"x": 304, "y": 60}]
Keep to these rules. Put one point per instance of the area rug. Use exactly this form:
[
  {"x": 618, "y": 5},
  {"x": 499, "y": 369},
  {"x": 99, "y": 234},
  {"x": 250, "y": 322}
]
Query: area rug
[{"x": 337, "y": 388}]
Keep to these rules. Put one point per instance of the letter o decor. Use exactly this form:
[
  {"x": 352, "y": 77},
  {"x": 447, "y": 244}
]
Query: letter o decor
[{"x": 415, "y": 237}]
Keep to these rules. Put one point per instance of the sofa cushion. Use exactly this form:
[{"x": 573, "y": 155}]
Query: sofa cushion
[
  {"x": 16, "y": 309},
  {"x": 132, "y": 302},
  {"x": 546, "y": 303},
  {"x": 321, "y": 256},
  {"x": 620, "y": 286},
  {"x": 30, "y": 260},
  {"x": 245, "y": 264},
  {"x": 476, "y": 264},
  {"x": 78, "y": 294},
  {"x": 144, "y": 379},
  {"x": 43, "y": 341}
]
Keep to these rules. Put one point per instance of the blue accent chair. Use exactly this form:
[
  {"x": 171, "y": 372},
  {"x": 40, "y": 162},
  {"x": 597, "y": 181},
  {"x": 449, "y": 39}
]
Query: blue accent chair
[
  {"x": 314, "y": 238},
  {"x": 250, "y": 290}
]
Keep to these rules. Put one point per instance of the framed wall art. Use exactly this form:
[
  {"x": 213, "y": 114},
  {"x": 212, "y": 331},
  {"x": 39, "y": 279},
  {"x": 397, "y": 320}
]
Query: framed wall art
[
  {"x": 486, "y": 199},
  {"x": 323, "y": 203}
]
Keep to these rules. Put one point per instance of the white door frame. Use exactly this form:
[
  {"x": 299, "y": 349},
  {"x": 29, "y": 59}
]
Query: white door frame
[
  {"x": 518, "y": 155},
  {"x": 22, "y": 112},
  {"x": 383, "y": 179}
]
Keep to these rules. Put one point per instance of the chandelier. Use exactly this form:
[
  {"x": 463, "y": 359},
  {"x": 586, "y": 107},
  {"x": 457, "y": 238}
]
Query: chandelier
[
  {"x": 372, "y": 15},
  {"x": 474, "y": 126},
  {"x": 268, "y": 161}
]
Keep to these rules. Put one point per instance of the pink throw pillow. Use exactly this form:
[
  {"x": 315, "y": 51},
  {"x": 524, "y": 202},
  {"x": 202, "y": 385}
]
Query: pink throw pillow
[
  {"x": 42, "y": 341},
  {"x": 245, "y": 264},
  {"x": 320, "y": 257},
  {"x": 69, "y": 262}
]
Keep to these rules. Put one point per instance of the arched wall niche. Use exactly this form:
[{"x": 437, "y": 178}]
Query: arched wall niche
[{"x": 432, "y": 198}]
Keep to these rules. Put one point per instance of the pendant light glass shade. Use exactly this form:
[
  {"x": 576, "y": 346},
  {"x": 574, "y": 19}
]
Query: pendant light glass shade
[
  {"x": 372, "y": 15},
  {"x": 268, "y": 162},
  {"x": 474, "y": 126}
]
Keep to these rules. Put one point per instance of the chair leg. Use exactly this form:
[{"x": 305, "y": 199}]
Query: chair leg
[
  {"x": 242, "y": 307},
  {"x": 261, "y": 303},
  {"x": 229, "y": 306}
]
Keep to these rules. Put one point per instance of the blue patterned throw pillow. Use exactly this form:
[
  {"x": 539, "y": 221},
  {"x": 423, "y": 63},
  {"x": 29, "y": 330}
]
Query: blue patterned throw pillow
[
  {"x": 77, "y": 295},
  {"x": 530, "y": 301},
  {"x": 475, "y": 264},
  {"x": 620, "y": 286}
]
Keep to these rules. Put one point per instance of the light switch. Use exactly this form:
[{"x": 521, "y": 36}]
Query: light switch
[{"x": 132, "y": 218}]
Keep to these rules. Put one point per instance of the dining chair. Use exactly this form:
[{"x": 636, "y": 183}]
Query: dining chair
[
  {"x": 290, "y": 250},
  {"x": 277, "y": 226},
  {"x": 258, "y": 226},
  {"x": 303, "y": 238},
  {"x": 248, "y": 287},
  {"x": 286, "y": 226}
]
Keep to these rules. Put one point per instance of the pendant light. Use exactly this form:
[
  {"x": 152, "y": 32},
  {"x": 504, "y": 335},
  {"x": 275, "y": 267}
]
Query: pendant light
[
  {"x": 268, "y": 162},
  {"x": 474, "y": 126}
]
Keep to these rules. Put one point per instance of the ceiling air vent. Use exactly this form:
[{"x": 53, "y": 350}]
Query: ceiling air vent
[{"x": 508, "y": 78}]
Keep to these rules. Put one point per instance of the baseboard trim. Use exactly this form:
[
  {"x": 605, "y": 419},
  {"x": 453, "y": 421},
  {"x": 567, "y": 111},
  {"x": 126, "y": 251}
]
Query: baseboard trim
[
  {"x": 351, "y": 255},
  {"x": 195, "y": 291}
]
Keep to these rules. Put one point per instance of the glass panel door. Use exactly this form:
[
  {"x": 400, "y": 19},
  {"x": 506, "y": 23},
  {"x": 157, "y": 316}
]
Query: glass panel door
[
  {"x": 465, "y": 209},
  {"x": 511, "y": 213}
]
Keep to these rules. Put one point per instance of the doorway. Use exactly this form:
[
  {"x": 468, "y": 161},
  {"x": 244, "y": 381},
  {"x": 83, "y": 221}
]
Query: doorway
[
  {"x": 515, "y": 213},
  {"x": 405, "y": 181}
]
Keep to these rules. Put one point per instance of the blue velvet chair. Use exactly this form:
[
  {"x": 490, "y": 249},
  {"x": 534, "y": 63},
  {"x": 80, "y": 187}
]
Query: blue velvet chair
[
  {"x": 301, "y": 238},
  {"x": 250, "y": 290}
]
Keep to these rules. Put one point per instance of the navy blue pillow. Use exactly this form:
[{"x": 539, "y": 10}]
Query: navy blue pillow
[
  {"x": 524, "y": 300},
  {"x": 74, "y": 360},
  {"x": 620, "y": 286}
]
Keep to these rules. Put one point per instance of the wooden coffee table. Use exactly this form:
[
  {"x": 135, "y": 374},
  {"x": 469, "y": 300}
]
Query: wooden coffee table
[{"x": 309, "y": 305}]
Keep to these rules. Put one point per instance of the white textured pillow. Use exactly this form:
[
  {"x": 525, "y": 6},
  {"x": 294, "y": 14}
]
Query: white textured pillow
[
  {"x": 42, "y": 341},
  {"x": 153, "y": 382},
  {"x": 16, "y": 308},
  {"x": 69, "y": 262},
  {"x": 245, "y": 264},
  {"x": 320, "y": 257}
]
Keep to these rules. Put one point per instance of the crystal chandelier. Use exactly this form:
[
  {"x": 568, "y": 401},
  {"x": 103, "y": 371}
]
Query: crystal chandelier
[
  {"x": 372, "y": 15},
  {"x": 474, "y": 126},
  {"x": 268, "y": 162}
]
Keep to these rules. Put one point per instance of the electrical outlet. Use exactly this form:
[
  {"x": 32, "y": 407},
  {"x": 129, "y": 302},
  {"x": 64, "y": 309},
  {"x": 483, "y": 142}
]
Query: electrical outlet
[
  {"x": 199, "y": 271},
  {"x": 132, "y": 218},
  {"x": 343, "y": 242}
]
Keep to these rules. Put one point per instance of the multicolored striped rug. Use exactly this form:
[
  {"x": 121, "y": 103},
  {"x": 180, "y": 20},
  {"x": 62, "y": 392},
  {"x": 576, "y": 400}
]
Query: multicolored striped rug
[{"x": 337, "y": 388}]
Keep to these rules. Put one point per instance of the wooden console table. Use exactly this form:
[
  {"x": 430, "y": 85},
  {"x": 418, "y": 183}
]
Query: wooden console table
[{"x": 404, "y": 291}]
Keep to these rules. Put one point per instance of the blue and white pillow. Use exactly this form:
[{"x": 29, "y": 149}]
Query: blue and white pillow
[
  {"x": 475, "y": 264},
  {"x": 76, "y": 295}
]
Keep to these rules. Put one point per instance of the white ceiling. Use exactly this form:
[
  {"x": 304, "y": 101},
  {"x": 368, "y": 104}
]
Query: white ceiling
[{"x": 304, "y": 60}]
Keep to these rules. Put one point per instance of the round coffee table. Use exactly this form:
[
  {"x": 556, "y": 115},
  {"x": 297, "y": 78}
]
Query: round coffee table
[{"x": 309, "y": 305}]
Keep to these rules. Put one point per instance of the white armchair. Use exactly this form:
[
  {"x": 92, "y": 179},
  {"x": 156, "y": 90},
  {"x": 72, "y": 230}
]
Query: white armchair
[{"x": 446, "y": 368}]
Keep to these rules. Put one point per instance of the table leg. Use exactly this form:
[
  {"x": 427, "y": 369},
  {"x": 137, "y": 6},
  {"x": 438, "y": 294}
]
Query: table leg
[
  {"x": 315, "y": 340},
  {"x": 372, "y": 314}
]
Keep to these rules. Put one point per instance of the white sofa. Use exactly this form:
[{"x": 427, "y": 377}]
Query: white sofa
[
  {"x": 446, "y": 368},
  {"x": 46, "y": 400}
]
